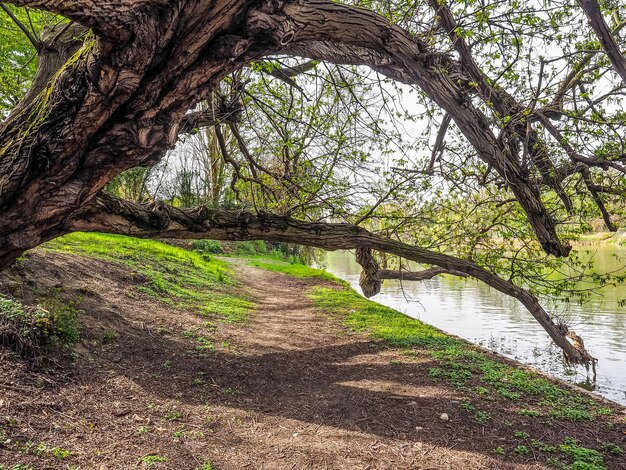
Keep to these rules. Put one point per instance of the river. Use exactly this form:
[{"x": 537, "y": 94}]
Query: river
[{"x": 484, "y": 316}]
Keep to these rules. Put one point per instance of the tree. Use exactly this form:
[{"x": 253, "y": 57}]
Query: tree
[{"x": 120, "y": 81}]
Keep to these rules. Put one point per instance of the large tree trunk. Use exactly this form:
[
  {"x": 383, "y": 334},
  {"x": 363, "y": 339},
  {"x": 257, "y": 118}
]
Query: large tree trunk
[{"x": 116, "y": 103}]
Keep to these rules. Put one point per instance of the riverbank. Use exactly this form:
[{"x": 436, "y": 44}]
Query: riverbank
[
  {"x": 482, "y": 315},
  {"x": 606, "y": 237},
  {"x": 191, "y": 362}
]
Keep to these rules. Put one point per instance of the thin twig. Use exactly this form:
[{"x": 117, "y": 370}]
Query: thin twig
[{"x": 33, "y": 40}]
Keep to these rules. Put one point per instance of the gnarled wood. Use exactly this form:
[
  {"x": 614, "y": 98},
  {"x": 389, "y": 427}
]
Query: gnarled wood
[
  {"x": 112, "y": 106},
  {"x": 371, "y": 274},
  {"x": 119, "y": 96},
  {"x": 319, "y": 26},
  {"x": 113, "y": 215},
  {"x": 123, "y": 98},
  {"x": 368, "y": 280}
]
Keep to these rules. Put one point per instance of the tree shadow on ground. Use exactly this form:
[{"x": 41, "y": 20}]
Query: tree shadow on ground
[{"x": 353, "y": 386}]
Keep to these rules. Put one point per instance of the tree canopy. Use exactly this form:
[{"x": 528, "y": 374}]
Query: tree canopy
[{"x": 476, "y": 137}]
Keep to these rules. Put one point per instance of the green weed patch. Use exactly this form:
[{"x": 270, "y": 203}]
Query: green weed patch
[
  {"x": 294, "y": 269},
  {"x": 31, "y": 330}
]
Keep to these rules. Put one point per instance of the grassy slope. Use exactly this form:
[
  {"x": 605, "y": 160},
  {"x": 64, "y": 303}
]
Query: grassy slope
[
  {"x": 469, "y": 370},
  {"x": 176, "y": 276}
]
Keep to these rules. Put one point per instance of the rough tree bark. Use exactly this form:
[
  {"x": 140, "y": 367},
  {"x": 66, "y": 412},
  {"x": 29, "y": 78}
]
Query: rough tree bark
[
  {"x": 119, "y": 102},
  {"x": 371, "y": 274}
]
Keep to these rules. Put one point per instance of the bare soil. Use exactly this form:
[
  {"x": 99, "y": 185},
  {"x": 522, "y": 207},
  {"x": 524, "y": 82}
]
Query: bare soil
[{"x": 288, "y": 389}]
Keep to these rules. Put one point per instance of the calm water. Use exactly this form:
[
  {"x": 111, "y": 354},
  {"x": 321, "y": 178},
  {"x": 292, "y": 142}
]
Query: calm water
[{"x": 484, "y": 316}]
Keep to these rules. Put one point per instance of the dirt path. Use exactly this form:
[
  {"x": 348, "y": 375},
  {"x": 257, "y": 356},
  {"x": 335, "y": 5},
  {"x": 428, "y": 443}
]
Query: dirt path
[
  {"x": 290, "y": 389},
  {"x": 284, "y": 319}
]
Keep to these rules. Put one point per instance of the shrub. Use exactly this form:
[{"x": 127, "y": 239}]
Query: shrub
[
  {"x": 208, "y": 246},
  {"x": 256, "y": 247},
  {"x": 29, "y": 330}
]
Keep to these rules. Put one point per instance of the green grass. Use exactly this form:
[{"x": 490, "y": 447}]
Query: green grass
[
  {"x": 542, "y": 446},
  {"x": 249, "y": 249},
  {"x": 152, "y": 460},
  {"x": 64, "y": 312},
  {"x": 360, "y": 314},
  {"x": 521, "y": 450},
  {"x": 293, "y": 269},
  {"x": 40, "y": 450},
  {"x": 612, "y": 449},
  {"x": 572, "y": 414},
  {"x": 173, "y": 415},
  {"x": 206, "y": 466},
  {"x": 178, "y": 277},
  {"x": 583, "y": 458}
]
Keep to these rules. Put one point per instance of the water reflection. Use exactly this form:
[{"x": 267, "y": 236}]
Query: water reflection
[
  {"x": 487, "y": 317},
  {"x": 587, "y": 384}
]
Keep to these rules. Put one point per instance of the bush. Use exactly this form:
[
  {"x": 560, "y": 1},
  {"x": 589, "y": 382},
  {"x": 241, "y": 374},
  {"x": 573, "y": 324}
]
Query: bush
[
  {"x": 256, "y": 247},
  {"x": 29, "y": 330},
  {"x": 208, "y": 246},
  {"x": 65, "y": 317},
  {"x": 279, "y": 251}
]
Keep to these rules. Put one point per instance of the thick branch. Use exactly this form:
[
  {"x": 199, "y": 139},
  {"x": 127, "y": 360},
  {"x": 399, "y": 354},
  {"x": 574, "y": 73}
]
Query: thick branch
[
  {"x": 111, "y": 19},
  {"x": 327, "y": 31},
  {"x": 504, "y": 103},
  {"x": 109, "y": 214},
  {"x": 371, "y": 274},
  {"x": 368, "y": 280},
  {"x": 225, "y": 113},
  {"x": 110, "y": 107},
  {"x": 610, "y": 46}
]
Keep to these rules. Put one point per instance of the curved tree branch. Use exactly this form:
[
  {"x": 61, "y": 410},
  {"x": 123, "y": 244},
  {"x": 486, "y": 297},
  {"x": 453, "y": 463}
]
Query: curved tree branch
[
  {"x": 109, "y": 214},
  {"x": 112, "y": 19},
  {"x": 209, "y": 117},
  {"x": 518, "y": 128},
  {"x": 422, "y": 275},
  {"x": 127, "y": 101},
  {"x": 327, "y": 31}
]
